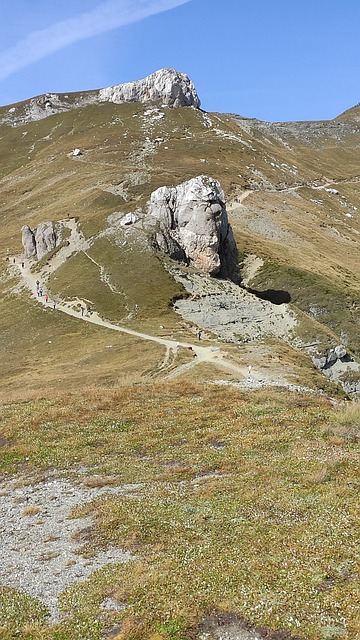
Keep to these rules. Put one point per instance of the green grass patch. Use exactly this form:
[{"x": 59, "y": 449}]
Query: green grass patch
[
  {"x": 124, "y": 283},
  {"x": 20, "y": 612}
]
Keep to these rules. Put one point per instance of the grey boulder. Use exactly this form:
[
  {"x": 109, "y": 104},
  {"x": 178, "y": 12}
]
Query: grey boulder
[
  {"x": 45, "y": 239},
  {"x": 38, "y": 242},
  {"x": 337, "y": 353}
]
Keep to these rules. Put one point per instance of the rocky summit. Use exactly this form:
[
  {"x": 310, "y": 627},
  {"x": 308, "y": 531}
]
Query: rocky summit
[{"x": 166, "y": 87}]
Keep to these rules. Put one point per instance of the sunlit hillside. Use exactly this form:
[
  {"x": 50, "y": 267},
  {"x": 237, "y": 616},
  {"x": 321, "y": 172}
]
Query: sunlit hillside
[{"x": 175, "y": 463}]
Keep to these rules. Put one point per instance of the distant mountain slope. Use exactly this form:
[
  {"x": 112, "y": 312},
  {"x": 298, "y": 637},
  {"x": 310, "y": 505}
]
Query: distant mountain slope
[{"x": 293, "y": 200}]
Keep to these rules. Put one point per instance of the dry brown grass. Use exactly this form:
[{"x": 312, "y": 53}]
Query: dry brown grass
[
  {"x": 31, "y": 510},
  {"x": 67, "y": 354},
  {"x": 243, "y": 498},
  {"x": 97, "y": 481},
  {"x": 49, "y": 555}
]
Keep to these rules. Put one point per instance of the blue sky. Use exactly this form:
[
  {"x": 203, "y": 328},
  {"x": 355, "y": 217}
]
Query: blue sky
[{"x": 275, "y": 60}]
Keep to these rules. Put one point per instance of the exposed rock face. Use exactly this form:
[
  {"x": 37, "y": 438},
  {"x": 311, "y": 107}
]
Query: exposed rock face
[
  {"x": 45, "y": 239},
  {"x": 38, "y": 242},
  {"x": 28, "y": 241},
  {"x": 129, "y": 218},
  {"x": 190, "y": 223},
  {"x": 167, "y": 86},
  {"x": 231, "y": 312}
]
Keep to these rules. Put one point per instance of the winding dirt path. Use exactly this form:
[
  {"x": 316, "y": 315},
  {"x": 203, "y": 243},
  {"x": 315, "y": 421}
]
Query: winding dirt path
[{"x": 210, "y": 354}]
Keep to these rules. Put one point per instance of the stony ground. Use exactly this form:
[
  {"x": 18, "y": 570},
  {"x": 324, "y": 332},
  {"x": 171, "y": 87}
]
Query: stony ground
[
  {"x": 40, "y": 540},
  {"x": 232, "y": 313}
]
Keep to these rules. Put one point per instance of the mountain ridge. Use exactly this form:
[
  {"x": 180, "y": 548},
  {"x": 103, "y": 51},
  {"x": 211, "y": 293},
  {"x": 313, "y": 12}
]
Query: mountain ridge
[
  {"x": 165, "y": 86},
  {"x": 157, "y": 86}
]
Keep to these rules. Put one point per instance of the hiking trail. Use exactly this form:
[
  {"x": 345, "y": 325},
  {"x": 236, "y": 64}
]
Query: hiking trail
[{"x": 209, "y": 354}]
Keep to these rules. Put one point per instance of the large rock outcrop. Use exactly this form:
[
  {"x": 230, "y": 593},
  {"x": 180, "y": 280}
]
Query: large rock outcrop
[
  {"x": 28, "y": 242},
  {"x": 38, "y": 242},
  {"x": 190, "y": 223},
  {"x": 338, "y": 353},
  {"x": 167, "y": 86},
  {"x": 340, "y": 367}
]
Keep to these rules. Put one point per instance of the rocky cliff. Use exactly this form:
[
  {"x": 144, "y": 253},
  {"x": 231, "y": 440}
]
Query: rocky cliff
[{"x": 167, "y": 86}]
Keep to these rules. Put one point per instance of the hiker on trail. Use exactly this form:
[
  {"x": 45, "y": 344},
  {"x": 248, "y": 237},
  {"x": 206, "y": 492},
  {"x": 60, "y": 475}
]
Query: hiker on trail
[
  {"x": 46, "y": 298},
  {"x": 23, "y": 264},
  {"x": 54, "y": 305},
  {"x": 82, "y": 311},
  {"x": 199, "y": 334},
  {"x": 37, "y": 284}
]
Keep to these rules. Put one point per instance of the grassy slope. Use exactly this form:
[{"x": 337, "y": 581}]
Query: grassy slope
[
  {"x": 41, "y": 180},
  {"x": 247, "y": 507},
  {"x": 268, "y": 530},
  {"x": 45, "y": 352}
]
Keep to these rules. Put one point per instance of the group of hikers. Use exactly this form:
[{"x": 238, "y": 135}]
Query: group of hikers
[
  {"x": 40, "y": 293},
  {"x": 83, "y": 310},
  {"x": 14, "y": 261}
]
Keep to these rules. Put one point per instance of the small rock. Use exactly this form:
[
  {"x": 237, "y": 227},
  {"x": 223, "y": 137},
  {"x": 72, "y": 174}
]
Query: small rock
[{"x": 130, "y": 218}]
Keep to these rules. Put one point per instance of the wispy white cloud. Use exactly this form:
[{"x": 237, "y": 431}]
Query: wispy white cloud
[{"x": 105, "y": 17}]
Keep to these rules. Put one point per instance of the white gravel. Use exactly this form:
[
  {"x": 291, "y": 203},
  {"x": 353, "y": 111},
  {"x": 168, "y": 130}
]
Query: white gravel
[{"x": 39, "y": 553}]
